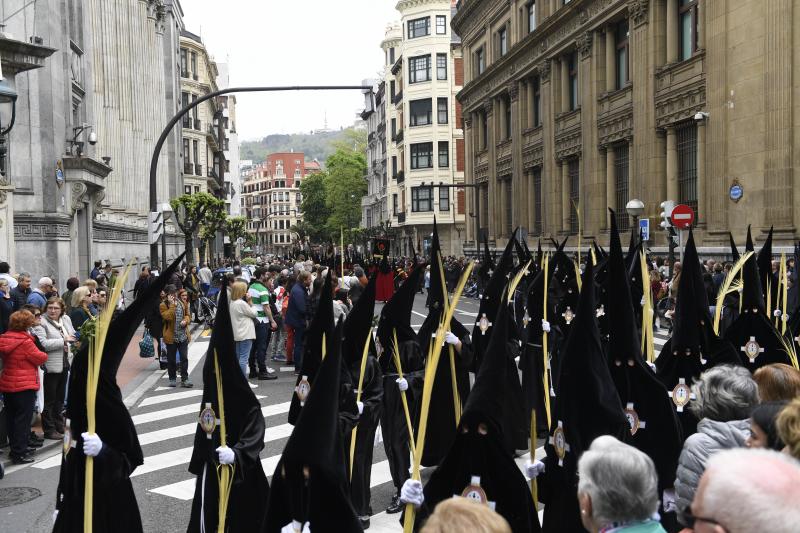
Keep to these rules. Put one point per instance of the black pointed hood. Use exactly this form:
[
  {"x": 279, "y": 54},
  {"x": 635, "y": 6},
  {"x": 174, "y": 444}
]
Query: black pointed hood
[
  {"x": 752, "y": 289},
  {"x": 486, "y": 399},
  {"x": 358, "y": 324},
  {"x": 623, "y": 344},
  {"x": 396, "y": 314},
  {"x": 734, "y": 250},
  {"x": 748, "y": 247},
  {"x": 321, "y": 324},
  {"x": 436, "y": 289},
  {"x": 487, "y": 264},
  {"x": 691, "y": 306},
  {"x": 765, "y": 258},
  {"x": 112, "y": 419}
]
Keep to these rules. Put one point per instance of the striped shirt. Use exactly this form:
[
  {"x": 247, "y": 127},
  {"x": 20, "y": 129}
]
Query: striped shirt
[{"x": 259, "y": 296}]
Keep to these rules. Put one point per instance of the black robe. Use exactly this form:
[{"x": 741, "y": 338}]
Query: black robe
[{"x": 371, "y": 397}]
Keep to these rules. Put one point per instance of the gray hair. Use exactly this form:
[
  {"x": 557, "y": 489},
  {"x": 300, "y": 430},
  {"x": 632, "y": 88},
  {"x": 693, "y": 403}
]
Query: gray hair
[
  {"x": 724, "y": 393},
  {"x": 767, "y": 481},
  {"x": 620, "y": 480}
]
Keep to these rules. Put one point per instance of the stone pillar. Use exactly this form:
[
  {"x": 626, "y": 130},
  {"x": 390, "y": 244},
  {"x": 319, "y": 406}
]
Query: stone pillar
[
  {"x": 672, "y": 31},
  {"x": 529, "y": 204},
  {"x": 469, "y": 177},
  {"x": 491, "y": 223},
  {"x": 565, "y": 207},
  {"x": 564, "y": 69},
  {"x": 672, "y": 165},
  {"x": 702, "y": 208},
  {"x": 517, "y": 177},
  {"x": 610, "y": 53},
  {"x": 611, "y": 178},
  {"x": 530, "y": 107},
  {"x": 7, "y": 244}
]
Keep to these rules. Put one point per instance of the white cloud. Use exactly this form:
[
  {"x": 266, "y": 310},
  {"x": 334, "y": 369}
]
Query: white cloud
[{"x": 293, "y": 42}]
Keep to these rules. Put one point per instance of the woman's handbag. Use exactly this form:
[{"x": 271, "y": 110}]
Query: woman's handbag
[{"x": 146, "y": 347}]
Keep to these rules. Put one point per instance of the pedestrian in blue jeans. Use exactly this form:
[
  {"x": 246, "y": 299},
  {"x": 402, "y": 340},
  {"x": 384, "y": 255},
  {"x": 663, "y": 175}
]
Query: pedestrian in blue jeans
[
  {"x": 243, "y": 317},
  {"x": 297, "y": 315}
]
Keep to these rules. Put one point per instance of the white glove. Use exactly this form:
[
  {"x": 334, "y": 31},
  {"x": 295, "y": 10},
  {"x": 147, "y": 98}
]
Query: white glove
[
  {"x": 55, "y": 516},
  {"x": 651, "y": 365},
  {"x": 776, "y": 313},
  {"x": 450, "y": 338},
  {"x": 360, "y": 406},
  {"x": 295, "y": 526},
  {"x": 226, "y": 456},
  {"x": 412, "y": 493},
  {"x": 545, "y": 326},
  {"x": 91, "y": 444},
  {"x": 534, "y": 469},
  {"x": 402, "y": 384},
  {"x": 668, "y": 499}
]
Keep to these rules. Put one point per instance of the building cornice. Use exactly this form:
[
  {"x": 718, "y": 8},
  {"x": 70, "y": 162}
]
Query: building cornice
[
  {"x": 410, "y": 4},
  {"x": 19, "y": 56}
]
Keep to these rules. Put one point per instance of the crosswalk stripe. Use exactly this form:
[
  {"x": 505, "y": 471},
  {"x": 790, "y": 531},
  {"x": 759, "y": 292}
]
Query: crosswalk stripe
[
  {"x": 173, "y": 412},
  {"x": 162, "y": 388},
  {"x": 163, "y": 398}
]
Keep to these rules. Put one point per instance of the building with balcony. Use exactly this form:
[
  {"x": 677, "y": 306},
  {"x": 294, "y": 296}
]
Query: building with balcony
[
  {"x": 271, "y": 200},
  {"x": 230, "y": 144},
  {"x": 202, "y": 145},
  {"x": 425, "y": 144},
  {"x": 592, "y": 103},
  {"x": 373, "y": 206}
]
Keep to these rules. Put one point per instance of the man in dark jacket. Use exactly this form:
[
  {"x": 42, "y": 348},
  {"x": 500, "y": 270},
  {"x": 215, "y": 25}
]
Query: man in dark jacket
[
  {"x": 297, "y": 315},
  {"x": 19, "y": 294}
]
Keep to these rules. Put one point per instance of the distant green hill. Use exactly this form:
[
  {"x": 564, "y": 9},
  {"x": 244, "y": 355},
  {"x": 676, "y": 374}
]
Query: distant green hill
[{"x": 314, "y": 146}]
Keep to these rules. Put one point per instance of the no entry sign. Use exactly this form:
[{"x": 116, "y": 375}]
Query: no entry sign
[{"x": 682, "y": 216}]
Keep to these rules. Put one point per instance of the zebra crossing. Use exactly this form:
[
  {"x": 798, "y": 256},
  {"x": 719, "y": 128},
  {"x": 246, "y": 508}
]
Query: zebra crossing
[{"x": 166, "y": 421}]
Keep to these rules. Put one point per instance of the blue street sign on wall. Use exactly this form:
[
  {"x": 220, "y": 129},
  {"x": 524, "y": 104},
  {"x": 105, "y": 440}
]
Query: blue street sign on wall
[{"x": 644, "y": 227}]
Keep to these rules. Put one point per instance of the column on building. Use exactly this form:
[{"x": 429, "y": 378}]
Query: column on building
[
  {"x": 611, "y": 178},
  {"x": 564, "y": 70},
  {"x": 469, "y": 165},
  {"x": 491, "y": 175},
  {"x": 672, "y": 165},
  {"x": 518, "y": 178},
  {"x": 549, "y": 168},
  {"x": 565, "y": 207},
  {"x": 672, "y": 31},
  {"x": 610, "y": 52},
  {"x": 702, "y": 208}
]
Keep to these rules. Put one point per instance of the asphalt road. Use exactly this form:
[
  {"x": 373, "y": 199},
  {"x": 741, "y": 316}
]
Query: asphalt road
[{"x": 165, "y": 421}]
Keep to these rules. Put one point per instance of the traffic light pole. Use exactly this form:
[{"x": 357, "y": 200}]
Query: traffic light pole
[{"x": 171, "y": 124}]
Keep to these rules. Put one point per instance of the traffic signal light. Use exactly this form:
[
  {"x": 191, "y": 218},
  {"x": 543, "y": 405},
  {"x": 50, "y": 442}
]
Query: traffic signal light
[{"x": 666, "y": 210}]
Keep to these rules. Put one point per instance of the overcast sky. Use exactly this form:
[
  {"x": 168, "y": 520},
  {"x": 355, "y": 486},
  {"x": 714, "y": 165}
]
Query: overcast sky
[{"x": 293, "y": 42}]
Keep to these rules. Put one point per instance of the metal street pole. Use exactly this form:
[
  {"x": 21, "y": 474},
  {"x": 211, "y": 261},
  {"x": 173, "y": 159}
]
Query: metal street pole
[{"x": 171, "y": 124}]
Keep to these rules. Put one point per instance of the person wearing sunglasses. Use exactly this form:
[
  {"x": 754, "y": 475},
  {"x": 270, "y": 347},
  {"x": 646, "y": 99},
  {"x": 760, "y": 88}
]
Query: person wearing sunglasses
[{"x": 747, "y": 490}]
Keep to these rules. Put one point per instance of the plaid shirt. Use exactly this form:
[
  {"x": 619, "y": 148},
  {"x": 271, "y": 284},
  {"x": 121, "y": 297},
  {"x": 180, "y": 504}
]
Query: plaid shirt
[{"x": 180, "y": 329}]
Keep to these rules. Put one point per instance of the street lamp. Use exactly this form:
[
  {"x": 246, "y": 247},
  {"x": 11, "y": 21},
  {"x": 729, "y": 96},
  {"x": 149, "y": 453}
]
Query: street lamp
[
  {"x": 8, "y": 112},
  {"x": 635, "y": 208}
]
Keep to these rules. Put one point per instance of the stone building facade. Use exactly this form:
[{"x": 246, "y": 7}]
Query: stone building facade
[
  {"x": 113, "y": 77},
  {"x": 592, "y": 103},
  {"x": 423, "y": 71}
]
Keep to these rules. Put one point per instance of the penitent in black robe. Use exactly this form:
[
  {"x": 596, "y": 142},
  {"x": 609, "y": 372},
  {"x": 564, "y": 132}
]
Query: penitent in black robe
[{"x": 371, "y": 397}]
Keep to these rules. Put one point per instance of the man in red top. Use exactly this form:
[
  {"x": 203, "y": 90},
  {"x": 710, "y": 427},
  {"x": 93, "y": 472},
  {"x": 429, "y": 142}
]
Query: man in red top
[{"x": 19, "y": 382}]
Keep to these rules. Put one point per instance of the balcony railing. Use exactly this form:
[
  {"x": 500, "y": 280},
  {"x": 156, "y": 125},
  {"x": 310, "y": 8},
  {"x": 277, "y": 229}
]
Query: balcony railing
[
  {"x": 398, "y": 138},
  {"x": 198, "y": 125},
  {"x": 198, "y": 170},
  {"x": 212, "y": 173},
  {"x": 371, "y": 137},
  {"x": 400, "y": 177},
  {"x": 188, "y": 168},
  {"x": 397, "y": 98},
  {"x": 401, "y": 217},
  {"x": 211, "y": 131},
  {"x": 186, "y": 121}
]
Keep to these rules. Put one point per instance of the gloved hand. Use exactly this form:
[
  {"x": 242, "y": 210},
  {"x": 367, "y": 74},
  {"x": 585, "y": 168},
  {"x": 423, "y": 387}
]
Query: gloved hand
[
  {"x": 55, "y": 516},
  {"x": 91, "y": 444},
  {"x": 412, "y": 493},
  {"x": 450, "y": 338},
  {"x": 651, "y": 365},
  {"x": 360, "y": 406},
  {"x": 534, "y": 469},
  {"x": 776, "y": 313},
  {"x": 226, "y": 455},
  {"x": 545, "y": 326},
  {"x": 402, "y": 384},
  {"x": 668, "y": 499}
]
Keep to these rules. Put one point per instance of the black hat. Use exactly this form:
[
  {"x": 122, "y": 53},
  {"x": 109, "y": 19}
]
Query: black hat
[
  {"x": 310, "y": 481},
  {"x": 748, "y": 247},
  {"x": 586, "y": 406},
  {"x": 321, "y": 324},
  {"x": 487, "y": 264},
  {"x": 764, "y": 262},
  {"x": 654, "y": 427},
  {"x": 358, "y": 324}
]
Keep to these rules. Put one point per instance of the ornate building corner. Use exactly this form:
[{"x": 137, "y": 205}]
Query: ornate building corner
[
  {"x": 488, "y": 106},
  {"x": 513, "y": 90},
  {"x": 637, "y": 10},
  {"x": 78, "y": 191},
  {"x": 544, "y": 70}
]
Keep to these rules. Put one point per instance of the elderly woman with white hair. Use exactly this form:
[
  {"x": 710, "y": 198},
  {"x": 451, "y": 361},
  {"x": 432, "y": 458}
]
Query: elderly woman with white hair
[
  {"x": 723, "y": 398},
  {"x": 617, "y": 489}
]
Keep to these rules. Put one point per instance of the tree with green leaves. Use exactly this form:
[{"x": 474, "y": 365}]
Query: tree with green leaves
[
  {"x": 314, "y": 207},
  {"x": 345, "y": 185},
  {"x": 191, "y": 211},
  {"x": 213, "y": 222},
  {"x": 236, "y": 228}
]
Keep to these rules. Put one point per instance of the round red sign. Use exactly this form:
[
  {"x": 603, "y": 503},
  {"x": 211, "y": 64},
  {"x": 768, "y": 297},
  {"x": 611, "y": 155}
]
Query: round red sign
[{"x": 682, "y": 216}]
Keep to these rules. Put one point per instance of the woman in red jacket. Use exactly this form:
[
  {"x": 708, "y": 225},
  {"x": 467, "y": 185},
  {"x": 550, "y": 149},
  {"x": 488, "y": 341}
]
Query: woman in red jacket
[{"x": 19, "y": 382}]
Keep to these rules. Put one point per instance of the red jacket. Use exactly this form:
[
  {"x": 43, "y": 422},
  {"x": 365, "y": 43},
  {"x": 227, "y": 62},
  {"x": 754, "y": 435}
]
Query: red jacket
[{"x": 21, "y": 361}]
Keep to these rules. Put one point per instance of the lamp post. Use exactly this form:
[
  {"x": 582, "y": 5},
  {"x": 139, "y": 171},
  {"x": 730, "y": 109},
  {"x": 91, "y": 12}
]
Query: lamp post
[
  {"x": 8, "y": 113},
  {"x": 180, "y": 114},
  {"x": 635, "y": 208}
]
